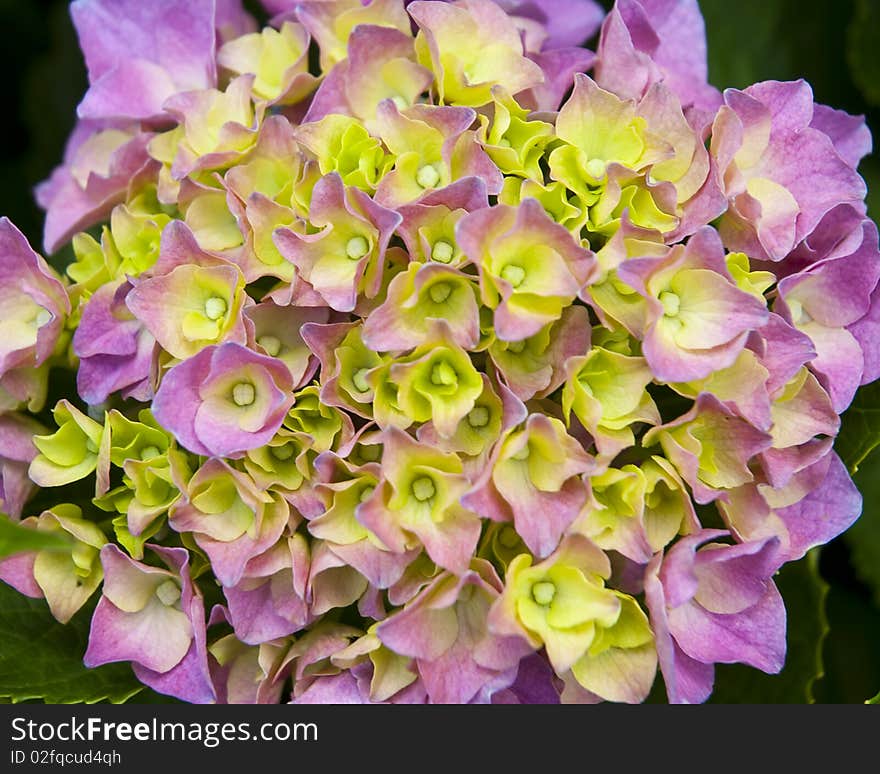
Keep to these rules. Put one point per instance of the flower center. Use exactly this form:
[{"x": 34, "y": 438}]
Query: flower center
[
  {"x": 367, "y": 491},
  {"x": 508, "y": 537},
  {"x": 427, "y": 176},
  {"x": 356, "y": 248},
  {"x": 516, "y": 346},
  {"x": 423, "y": 489},
  {"x": 360, "y": 380},
  {"x": 478, "y": 416},
  {"x": 439, "y": 292},
  {"x": 400, "y": 102},
  {"x": 543, "y": 593},
  {"x": 596, "y": 168},
  {"x": 281, "y": 453},
  {"x": 513, "y": 274},
  {"x": 43, "y": 316},
  {"x": 442, "y": 251},
  {"x": 244, "y": 394},
  {"x": 149, "y": 452},
  {"x": 671, "y": 303},
  {"x": 168, "y": 593},
  {"x": 215, "y": 308},
  {"x": 272, "y": 345},
  {"x": 443, "y": 375},
  {"x": 799, "y": 315}
]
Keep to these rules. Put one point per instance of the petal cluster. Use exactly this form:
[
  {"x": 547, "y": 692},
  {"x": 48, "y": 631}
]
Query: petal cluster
[{"x": 455, "y": 364}]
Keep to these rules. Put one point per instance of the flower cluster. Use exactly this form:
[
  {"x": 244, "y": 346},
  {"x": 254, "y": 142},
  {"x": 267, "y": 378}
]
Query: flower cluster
[{"x": 415, "y": 364}]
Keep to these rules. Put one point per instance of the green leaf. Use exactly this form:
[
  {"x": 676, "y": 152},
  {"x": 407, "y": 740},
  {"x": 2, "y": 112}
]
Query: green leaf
[
  {"x": 870, "y": 170},
  {"x": 42, "y": 659},
  {"x": 149, "y": 696},
  {"x": 745, "y": 46},
  {"x": 874, "y": 700},
  {"x": 864, "y": 41},
  {"x": 15, "y": 538},
  {"x": 804, "y": 593},
  {"x": 860, "y": 430},
  {"x": 849, "y": 653},
  {"x": 863, "y": 537}
]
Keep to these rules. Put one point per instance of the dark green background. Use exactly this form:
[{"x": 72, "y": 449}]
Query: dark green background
[{"x": 833, "y": 44}]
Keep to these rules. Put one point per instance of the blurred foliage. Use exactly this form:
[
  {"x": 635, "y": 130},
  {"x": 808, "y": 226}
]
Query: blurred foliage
[
  {"x": 863, "y": 537},
  {"x": 864, "y": 40},
  {"x": 860, "y": 429},
  {"x": 15, "y": 538},
  {"x": 45, "y": 81},
  {"x": 851, "y": 655}
]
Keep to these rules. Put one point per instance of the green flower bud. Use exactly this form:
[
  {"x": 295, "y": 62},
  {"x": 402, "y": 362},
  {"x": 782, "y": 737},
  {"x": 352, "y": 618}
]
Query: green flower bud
[
  {"x": 342, "y": 144},
  {"x": 282, "y": 463},
  {"x": 312, "y": 417},
  {"x": 71, "y": 453},
  {"x": 130, "y": 440},
  {"x": 437, "y": 382}
]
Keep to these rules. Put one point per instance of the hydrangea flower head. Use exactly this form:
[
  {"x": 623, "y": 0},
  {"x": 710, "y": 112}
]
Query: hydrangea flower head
[{"x": 451, "y": 361}]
